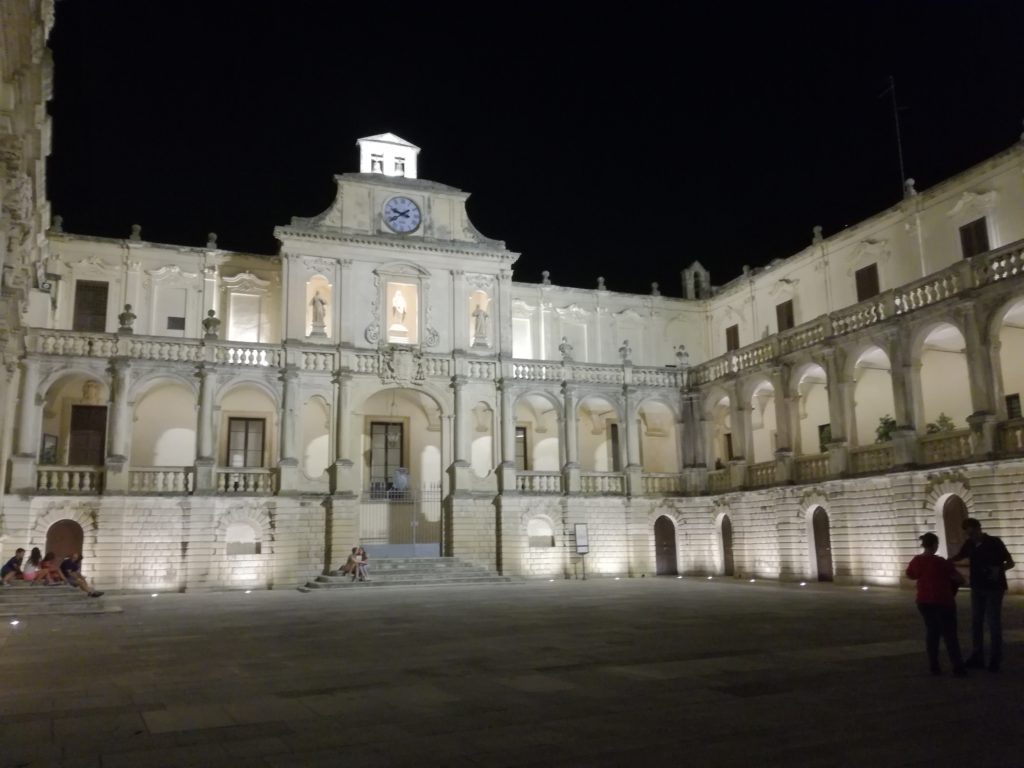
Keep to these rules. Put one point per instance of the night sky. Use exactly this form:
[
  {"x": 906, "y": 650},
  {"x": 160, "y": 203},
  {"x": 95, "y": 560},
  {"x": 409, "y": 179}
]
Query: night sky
[{"x": 623, "y": 143}]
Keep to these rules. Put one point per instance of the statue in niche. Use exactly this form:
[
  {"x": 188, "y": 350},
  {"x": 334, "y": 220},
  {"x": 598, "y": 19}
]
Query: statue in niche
[
  {"x": 398, "y": 306},
  {"x": 319, "y": 307},
  {"x": 479, "y": 326},
  {"x": 211, "y": 325},
  {"x": 91, "y": 393},
  {"x": 566, "y": 349},
  {"x": 626, "y": 352},
  {"x": 126, "y": 319}
]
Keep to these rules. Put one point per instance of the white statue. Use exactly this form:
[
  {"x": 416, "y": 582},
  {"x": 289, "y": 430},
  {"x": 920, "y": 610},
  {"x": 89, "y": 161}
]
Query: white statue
[
  {"x": 566, "y": 349},
  {"x": 398, "y": 306},
  {"x": 479, "y": 325},
  {"x": 319, "y": 309}
]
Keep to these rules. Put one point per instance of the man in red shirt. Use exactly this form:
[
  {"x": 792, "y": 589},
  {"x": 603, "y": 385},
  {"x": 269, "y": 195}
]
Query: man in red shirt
[{"x": 936, "y": 600}]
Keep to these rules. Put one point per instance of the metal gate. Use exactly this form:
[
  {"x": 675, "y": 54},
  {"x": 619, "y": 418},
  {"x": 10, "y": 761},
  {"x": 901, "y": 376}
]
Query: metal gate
[{"x": 403, "y": 523}]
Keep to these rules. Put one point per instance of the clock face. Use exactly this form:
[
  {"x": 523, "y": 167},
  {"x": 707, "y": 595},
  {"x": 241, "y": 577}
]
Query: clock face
[{"x": 401, "y": 215}]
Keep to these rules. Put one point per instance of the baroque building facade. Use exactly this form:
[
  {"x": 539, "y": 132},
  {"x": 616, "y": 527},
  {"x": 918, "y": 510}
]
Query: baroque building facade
[{"x": 193, "y": 418}]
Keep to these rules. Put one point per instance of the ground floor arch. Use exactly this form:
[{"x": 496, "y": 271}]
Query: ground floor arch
[
  {"x": 63, "y": 538},
  {"x": 665, "y": 547},
  {"x": 953, "y": 512},
  {"x": 821, "y": 545}
]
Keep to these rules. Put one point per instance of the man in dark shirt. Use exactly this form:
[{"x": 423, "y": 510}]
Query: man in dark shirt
[
  {"x": 12, "y": 568},
  {"x": 71, "y": 567},
  {"x": 990, "y": 561}
]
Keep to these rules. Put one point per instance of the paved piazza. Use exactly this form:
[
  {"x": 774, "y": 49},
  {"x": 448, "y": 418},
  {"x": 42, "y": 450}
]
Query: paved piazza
[{"x": 597, "y": 673}]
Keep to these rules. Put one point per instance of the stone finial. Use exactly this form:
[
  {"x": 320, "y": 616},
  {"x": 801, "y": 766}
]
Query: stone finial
[
  {"x": 682, "y": 356},
  {"x": 211, "y": 325},
  {"x": 908, "y": 188},
  {"x": 545, "y": 277},
  {"x": 57, "y": 224},
  {"x": 817, "y": 237},
  {"x": 654, "y": 290},
  {"x": 136, "y": 234},
  {"x": 600, "y": 284},
  {"x": 126, "y": 319},
  {"x": 566, "y": 349},
  {"x": 626, "y": 352},
  {"x": 211, "y": 240}
]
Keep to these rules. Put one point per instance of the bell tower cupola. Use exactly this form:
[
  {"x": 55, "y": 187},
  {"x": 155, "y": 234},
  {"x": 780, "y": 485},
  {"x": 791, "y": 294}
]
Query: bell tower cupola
[{"x": 387, "y": 154}]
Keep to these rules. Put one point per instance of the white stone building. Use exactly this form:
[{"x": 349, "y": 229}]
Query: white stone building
[{"x": 198, "y": 418}]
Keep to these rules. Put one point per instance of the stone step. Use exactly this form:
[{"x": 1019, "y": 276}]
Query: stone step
[
  {"x": 412, "y": 571},
  {"x": 24, "y": 602}
]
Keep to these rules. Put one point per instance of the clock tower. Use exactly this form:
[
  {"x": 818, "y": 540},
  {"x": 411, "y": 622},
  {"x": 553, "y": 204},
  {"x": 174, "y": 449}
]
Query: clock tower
[{"x": 387, "y": 154}]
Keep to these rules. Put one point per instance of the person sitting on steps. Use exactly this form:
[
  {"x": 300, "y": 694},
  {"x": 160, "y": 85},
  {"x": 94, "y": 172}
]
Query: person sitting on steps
[
  {"x": 71, "y": 567},
  {"x": 49, "y": 573},
  {"x": 12, "y": 568},
  {"x": 362, "y": 564},
  {"x": 350, "y": 564}
]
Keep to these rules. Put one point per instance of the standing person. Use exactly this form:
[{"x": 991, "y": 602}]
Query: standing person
[
  {"x": 71, "y": 567},
  {"x": 12, "y": 568},
  {"x": 936, "y": 600},
  {"x": 362, "y": 564},
  {"x": 990, "y": 560}
]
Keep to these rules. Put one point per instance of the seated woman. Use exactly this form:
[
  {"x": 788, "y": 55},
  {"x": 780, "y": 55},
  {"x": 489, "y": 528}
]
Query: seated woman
[
  {"x": 350, "y": 566},
  {"x": 49, "y": 571},
  {"x": 362, "y": 564},
  {"x": 31, "y": 567}
]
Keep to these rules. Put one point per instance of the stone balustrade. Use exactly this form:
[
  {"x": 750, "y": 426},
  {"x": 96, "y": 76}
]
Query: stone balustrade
[
  {"x": 603, "y": 483},
  {"x": 661, "y": 483},
  {"x": 161, "y": 480},
  {"x": 945, "y": 447},
  {"x": 1011, "y": 436},
  {"x": 719, "y": 481},
  {"x": 54, "y": 479},
  {"x": 538, "y": 482},
  {"x": 246, "y": 481},
  {"x": 811, "y": 468},
  {"x": 761, "y": 475},
  {"x": 871, "y": 458}
]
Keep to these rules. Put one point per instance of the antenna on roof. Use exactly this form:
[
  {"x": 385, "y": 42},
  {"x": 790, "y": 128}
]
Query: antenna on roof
[{"x": 899, "y": 134}]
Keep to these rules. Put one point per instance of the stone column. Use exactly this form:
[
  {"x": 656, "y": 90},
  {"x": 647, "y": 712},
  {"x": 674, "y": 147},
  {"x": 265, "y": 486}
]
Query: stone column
[
  {"x": 740, "y": 427},
  {"x": 116, "y": 469},
  {"x": 288, "y": 463},
  {"x": 460, "y": 315},
  {"x": 206, "y": 451},
  {"x": 906, "y": 389},
  {"x": 634, "y": 469},
  {"x": 783, "y": 425},
  {"x": 570, "y": 438},
  {"x": 985, "y": 378},
  {"x": 507, "y": 468},
  {"x": 23, "y": 463},
  {"x": 840, "y": 411},
  {"x": 343, "y": 475},
  {"x": 460, "y": 469}
]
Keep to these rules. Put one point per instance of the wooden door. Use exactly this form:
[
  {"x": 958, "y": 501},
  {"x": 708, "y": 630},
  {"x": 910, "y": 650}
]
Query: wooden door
[
  {"x": 728, "y": 564},
  {"x": 88, "y": 439},
  {"x": 822, "y": 544},
  {"x": 665, "y": 547},
  {"x": 64, "y": 538}
]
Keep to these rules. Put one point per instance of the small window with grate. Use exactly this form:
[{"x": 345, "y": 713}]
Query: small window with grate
[
  {"x": 175, "y": 323},
  {"x": 1013, "y": 406},
  {"x": 732, "y": 338},
  {"x": 974, "y": 237}
]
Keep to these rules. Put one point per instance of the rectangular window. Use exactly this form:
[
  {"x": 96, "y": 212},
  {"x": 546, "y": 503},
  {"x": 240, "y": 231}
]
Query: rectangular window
[
  {"x": 387, "y": 454},
  {"x": 1013, "y": 406},
  {"x": 784, "y": 315},
  {"x": 522, "y": 459},
  {"x": 974, "y": 237},
  {"x": 245, "y": 442},
  {"x": 90, "y": 306},
  {"x": 175, "y": 323},
  {"x": 732, "y": 338},
  {"x": 614, "y": 460},
  {"x": 867, "y": 282},
  {"x": 728, "y": 446}
]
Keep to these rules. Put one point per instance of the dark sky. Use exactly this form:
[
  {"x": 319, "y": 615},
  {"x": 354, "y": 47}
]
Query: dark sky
[{"x": 625, "y": 143}]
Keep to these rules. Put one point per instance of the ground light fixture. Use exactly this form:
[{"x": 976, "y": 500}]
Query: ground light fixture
[
  {"x": 753, "y": 580},
  {"x": 864, "y": 589},
  {"x": 154, "y": 594},
  {"x": 803, "y": 583},
  {"x": 15, "y": 622},
  {"x": 679, "y": 577},
  {"x": 248, "y": 591}
]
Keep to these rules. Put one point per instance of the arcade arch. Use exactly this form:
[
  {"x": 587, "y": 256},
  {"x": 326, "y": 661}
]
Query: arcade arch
[
  {"x": 601, "y": 437},
  {"x": 873, "y": 394},
  {"x": 945, "y": 388},
  {"x": 813, "y": 414},
  {"x": 538, "y": 442}
]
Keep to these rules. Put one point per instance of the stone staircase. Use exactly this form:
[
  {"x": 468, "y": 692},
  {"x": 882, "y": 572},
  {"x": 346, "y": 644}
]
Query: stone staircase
[
  {"x": 411, "y": 572},
  {"x": 24, "y": 601}
]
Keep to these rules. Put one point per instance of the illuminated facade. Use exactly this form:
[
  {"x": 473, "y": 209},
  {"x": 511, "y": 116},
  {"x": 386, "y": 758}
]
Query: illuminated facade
[{"x": 202, "y": 418}]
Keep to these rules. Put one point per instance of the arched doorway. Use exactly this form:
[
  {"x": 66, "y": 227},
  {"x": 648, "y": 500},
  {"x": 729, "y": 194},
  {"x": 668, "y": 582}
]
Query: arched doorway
[
  {"x": 665, "y": 547},
  {"x": 64, "y": 538},
  {"x": 728, "y": 563},
  {"x": 822, "y": 544},
  {"x": 954, "y": 512}
]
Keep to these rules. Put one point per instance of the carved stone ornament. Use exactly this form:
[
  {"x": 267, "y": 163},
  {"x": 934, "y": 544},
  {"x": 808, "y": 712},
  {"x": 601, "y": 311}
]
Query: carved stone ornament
[
  {"x": 430, "y": 336},
  {"x": 480, "y": 282},
  {"x": 372, "y": 333},
  {"x": 401, "y": 365}
]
